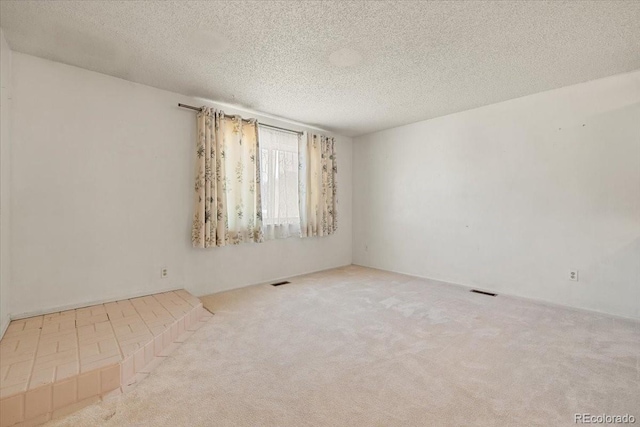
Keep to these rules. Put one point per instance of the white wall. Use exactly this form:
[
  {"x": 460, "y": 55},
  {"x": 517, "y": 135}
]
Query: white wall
[
  {"x": 511, "y": 196},
  {"x": 102, "y": 196},
  {"x": 5, "y": 179},
  {"x": 507, "y": 197}
]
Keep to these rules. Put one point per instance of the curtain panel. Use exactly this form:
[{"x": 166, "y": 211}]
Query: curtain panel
[
  {"x": 280, "y": 178},
  {"x": 228, "y": 207},
  {"x": 317, "y": 185}
]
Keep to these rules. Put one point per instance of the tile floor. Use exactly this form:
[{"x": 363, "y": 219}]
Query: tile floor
[{"x": 51, "y": 361}]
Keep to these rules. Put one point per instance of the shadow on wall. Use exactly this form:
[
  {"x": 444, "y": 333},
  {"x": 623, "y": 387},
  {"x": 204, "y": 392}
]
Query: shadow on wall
[
  {"x": 620, "y": 269},
  {"x": 607, "y": 273}
]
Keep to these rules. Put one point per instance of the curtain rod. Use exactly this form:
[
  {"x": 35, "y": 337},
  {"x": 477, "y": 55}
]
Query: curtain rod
[{"x": 191, "y": 107}]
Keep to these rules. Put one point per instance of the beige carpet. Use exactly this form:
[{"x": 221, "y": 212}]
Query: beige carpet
[{"x": 362, "y": 347}]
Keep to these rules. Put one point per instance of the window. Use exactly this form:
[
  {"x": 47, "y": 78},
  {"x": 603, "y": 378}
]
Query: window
[{"x": 279, "y": 183}]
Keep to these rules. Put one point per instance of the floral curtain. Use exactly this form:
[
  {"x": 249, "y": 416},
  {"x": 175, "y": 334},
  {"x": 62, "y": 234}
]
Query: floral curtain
[
  {"x": 227, "y": 182},
  {"x": 317, "y": 185}
]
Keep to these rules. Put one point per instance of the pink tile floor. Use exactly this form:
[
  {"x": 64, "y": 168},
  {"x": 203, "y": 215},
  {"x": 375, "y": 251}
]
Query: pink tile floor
[{"x": 53, "y": 364}]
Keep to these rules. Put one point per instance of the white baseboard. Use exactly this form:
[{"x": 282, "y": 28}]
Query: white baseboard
[
  {"x": 89, "y": 303},
  {"x": 4, "y": 324},
  {"x": 499, "y": 292},
  {"x": 268, "y": 281},
  {"x": 56, "y": 309}
]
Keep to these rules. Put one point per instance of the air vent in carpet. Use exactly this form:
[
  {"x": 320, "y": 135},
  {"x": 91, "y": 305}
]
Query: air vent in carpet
[
  {"x": 280, "y": 283},
  {"x": 483, "y": 292}
]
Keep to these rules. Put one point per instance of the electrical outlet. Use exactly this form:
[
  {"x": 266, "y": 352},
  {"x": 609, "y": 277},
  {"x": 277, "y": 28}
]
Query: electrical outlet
[
  {"x": 573, "y": 275},
  {"x": 164, "y": 273}
]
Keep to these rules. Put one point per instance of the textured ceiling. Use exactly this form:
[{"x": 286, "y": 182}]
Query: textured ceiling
[{"x": 413, "y": 60}]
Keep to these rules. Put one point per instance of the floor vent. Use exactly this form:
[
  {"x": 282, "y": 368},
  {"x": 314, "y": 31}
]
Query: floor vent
[
  {"x": 483, "y": 292},
  {"x": 280, "y": 283}
]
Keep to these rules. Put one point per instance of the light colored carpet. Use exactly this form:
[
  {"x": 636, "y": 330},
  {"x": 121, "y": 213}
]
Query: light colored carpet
[{"x": 362, "y": 347}]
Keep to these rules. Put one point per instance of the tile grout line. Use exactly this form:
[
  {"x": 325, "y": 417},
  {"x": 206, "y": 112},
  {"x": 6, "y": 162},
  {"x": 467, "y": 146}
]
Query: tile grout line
[
  {"x": 185, "y": 298},
  {"x": 75, "y": 397},
  {"x": 33, "y": 363},
  {"x": 75, "y": 324},
  {"x": 151, "y": 310},
  {"x": 115, "y": 337},
  {"x": 175, "y": 319},
  {"x": 55, "y": 369},
  {"x": 153, "y": 337},
  {"x": 166, "y": 308},
  {"x": 139, "y": 316}
]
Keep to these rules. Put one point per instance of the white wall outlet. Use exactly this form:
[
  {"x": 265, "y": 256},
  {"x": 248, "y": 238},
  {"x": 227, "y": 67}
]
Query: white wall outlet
[
  {"x": 573, "y": 275},
  {"x": 164, "y": 273}
]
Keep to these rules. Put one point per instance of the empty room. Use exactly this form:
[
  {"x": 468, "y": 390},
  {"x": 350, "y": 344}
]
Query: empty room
[{"x": 319, "y": 213}]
